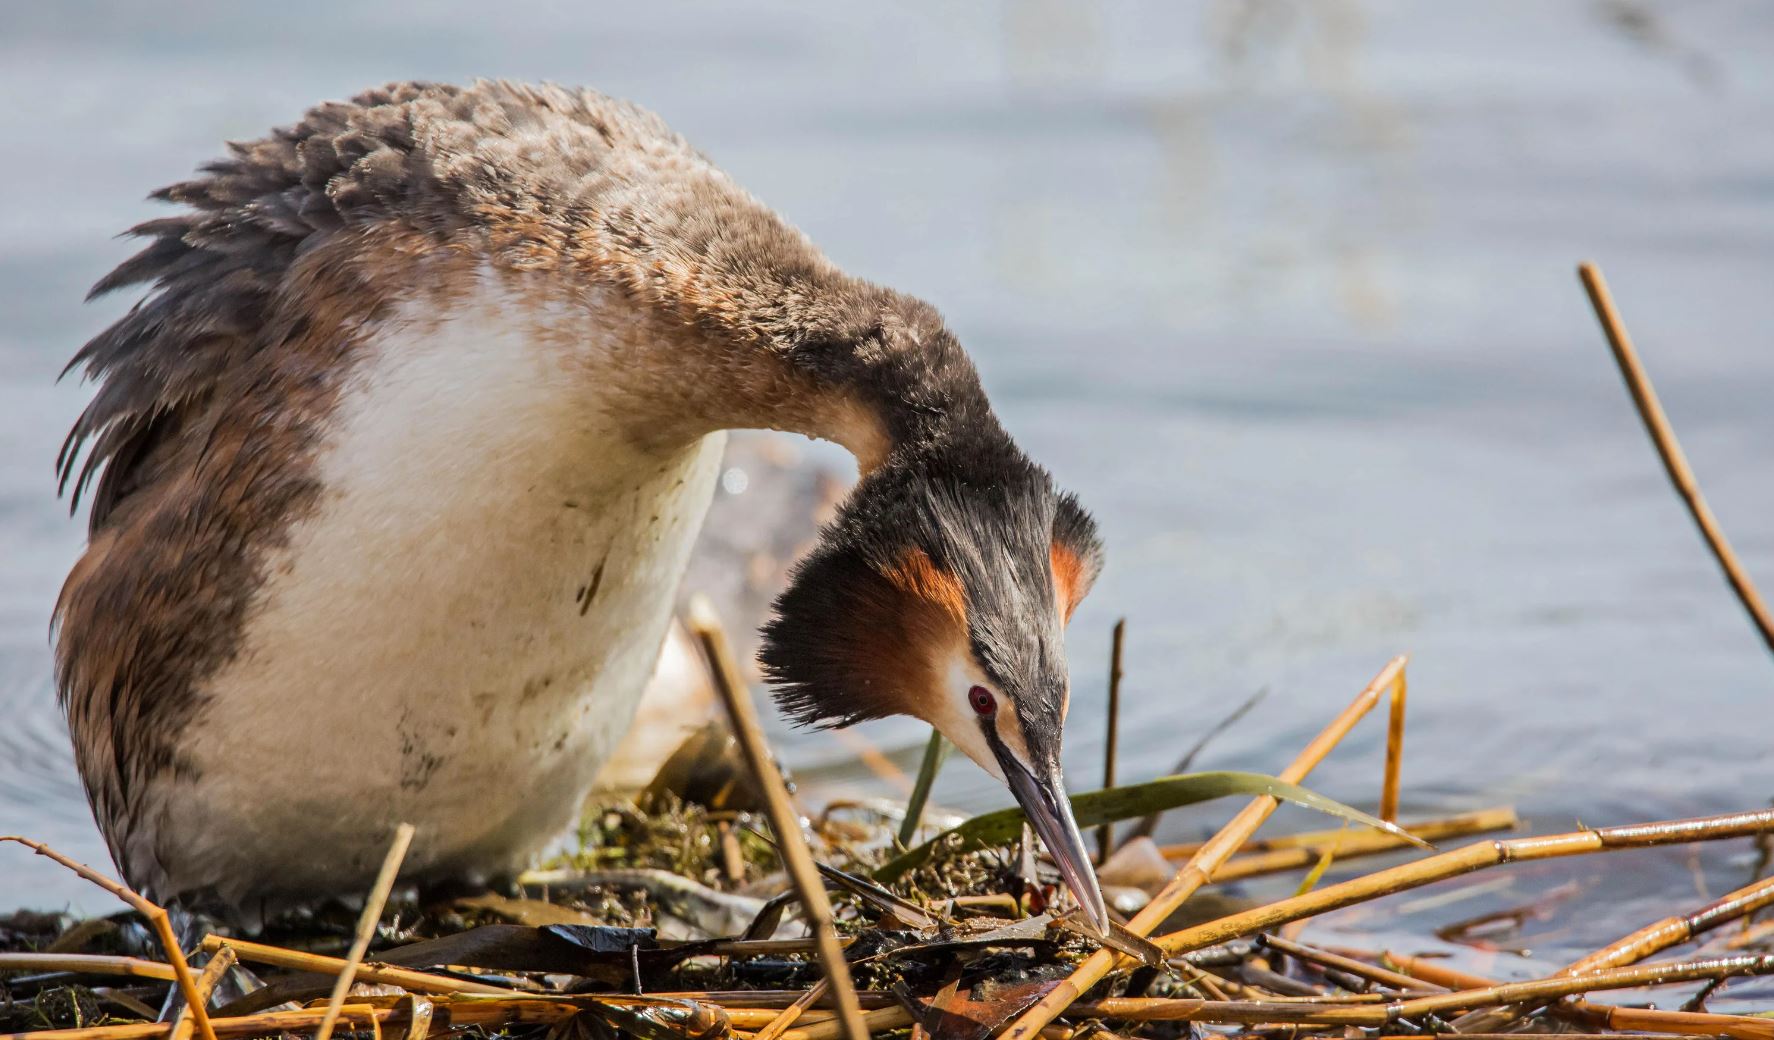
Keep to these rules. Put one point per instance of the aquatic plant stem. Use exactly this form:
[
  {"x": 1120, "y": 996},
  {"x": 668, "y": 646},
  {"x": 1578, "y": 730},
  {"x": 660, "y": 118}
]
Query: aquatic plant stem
[
  {"x": 366, "y": 927},
  {"x": 1200, "y": 867},
  {"x": 1105, "y": 835},
  {"x": 1675, "y": 462},
  {"x": 935, "y": 751},
  {"x": 796, "y": 857}
]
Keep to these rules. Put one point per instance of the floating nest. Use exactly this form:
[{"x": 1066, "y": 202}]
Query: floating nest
[{"x": 674, "y": 917}]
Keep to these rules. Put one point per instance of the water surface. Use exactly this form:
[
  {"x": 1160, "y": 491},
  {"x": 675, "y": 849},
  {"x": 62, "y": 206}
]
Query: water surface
[{"x": 1282, "y": 289}]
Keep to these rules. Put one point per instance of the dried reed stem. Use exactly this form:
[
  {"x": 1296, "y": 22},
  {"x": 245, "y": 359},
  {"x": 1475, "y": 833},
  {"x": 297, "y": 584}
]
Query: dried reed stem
[
  {"x": 935, "y": 751},
  {"x": 796, "y": 857},
  {"x": 366, "y": 926},
  {"x": 151, "y": 912},
  {"x": 1655, "y": 937},
  {"x": 1200, "y": 868},
  {"x": 1675, "y": 462},
  {"x": 1394, "y": 754},
  {"x": 1105, "y": 835},
  {"x": 1381, "y": 1015},
  {"x": 87, "y": 963},
  {"x": 296, "y": 960},
  {"x": 1476, "y": 856}
]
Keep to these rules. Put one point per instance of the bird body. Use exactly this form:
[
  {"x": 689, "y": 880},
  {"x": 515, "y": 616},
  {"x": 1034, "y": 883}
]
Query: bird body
[
  {"x": 396, "y": 469},
  {"x": 465, "y": 619}
]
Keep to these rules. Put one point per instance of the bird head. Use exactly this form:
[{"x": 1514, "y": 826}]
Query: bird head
[{"x": 941, "y": 591}]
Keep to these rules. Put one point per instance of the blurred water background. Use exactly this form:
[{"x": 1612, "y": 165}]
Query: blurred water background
[{"x": 1283, "y": 289}]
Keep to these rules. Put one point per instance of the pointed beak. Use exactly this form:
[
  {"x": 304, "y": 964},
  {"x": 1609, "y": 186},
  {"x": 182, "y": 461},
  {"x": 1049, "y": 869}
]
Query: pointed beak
[{"x": 1044, "y": 802}]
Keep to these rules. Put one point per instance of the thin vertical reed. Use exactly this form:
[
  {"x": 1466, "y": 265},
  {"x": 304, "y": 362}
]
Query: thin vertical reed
[
  {"x": 1105, "y": 835},
  {"x": 1675, "y": 462},
  {"x": 796, "y": 857},
  {"x": 366, "y": 927},
  {"x": 1394, "y": 754},
  {"x": 934, "y": 752}
]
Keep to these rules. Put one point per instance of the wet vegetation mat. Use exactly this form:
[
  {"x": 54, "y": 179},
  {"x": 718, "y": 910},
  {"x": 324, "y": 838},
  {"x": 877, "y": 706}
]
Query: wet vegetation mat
[{"x": 674, "y": 917}]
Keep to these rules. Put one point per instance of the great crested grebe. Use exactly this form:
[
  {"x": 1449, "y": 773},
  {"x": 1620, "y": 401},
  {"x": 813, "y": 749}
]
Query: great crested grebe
[{"x": 396, "y": 468}]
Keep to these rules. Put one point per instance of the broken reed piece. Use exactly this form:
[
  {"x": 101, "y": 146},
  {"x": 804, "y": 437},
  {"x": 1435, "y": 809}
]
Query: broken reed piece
[
  {"x": 1201, "y": 866},
  {"x": 1394, "y": 754},
  {"x": 1675, "y": 462},
  {"x": 366, "y": 926},
  {"x": 1476, "y": 856},
  {"x": 1105, "y": 835},
  {"x": 151, "y": 912},
  {"x": 1653, "y": 938},
  {"x": 796, "y": 857}
]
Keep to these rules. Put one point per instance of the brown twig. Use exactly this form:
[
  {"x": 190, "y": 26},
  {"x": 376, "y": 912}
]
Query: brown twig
[
  {"x": 1105, "y": 835},
  {"x": 1675, "y": 462},
  {"x": 366, "y": 927},
  {"x": 796, "y": 857},
  {"x": 1200, "y": 868},
  {"x": 152, "y": 912}
]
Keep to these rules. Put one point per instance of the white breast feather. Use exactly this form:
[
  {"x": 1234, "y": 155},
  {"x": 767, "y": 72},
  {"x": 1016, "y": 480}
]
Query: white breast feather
[{"x": 458, "y": 635}]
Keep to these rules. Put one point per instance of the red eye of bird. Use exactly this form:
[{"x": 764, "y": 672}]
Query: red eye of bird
[{"x": 982, "y": 700}]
